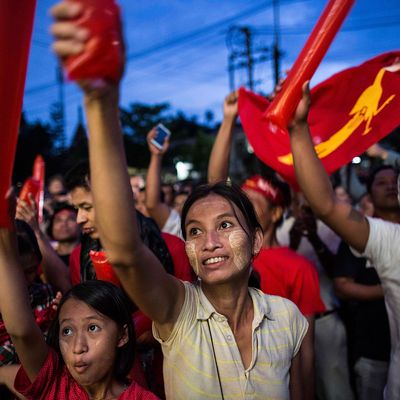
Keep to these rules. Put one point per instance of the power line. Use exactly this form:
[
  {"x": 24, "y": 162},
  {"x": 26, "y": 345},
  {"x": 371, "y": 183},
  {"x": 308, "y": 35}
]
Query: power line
[
  {"x": 172, "y": 42},
  {"x": 352, "y": 25},
  {"x": 198, "y": 32},
  {"x": 209, "y": 31},
  {"x": 40, "y": 88}
]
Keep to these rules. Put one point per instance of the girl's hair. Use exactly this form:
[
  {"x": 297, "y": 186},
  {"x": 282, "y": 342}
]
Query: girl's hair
[
  {"x": 110, "y": 301},
  {"x": 234, "y": 195}
]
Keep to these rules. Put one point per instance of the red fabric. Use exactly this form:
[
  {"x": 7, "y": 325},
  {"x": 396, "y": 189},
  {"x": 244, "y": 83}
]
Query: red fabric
[
  {"x": 14, "y": 53},
  {"x": 141, "y": 322},
  {"x": 285, "y": 273},
  {"x": 75, "y": 265},
  {"x": 55, "y": 382},
  {"x": 350, "y": 111},
  {"x": 137, "y": 372},
  {"x": 176, "y": 247}
]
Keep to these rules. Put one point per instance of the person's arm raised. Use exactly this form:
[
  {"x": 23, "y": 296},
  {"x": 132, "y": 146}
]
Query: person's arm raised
[
  {"x": 158, "y": 210},
  {"x": 348, "y": 223},
  {"x": 218, "y": 165},
  {"x": 139, "y": 270},
  {"x": 15, "y": 308},
  {"x": 159, "y": 295},
  {"x": 56, "y": 272}
]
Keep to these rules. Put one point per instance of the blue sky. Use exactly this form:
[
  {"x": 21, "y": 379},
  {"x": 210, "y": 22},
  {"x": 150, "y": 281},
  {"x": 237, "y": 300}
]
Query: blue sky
[{"x": 177, "y": 50}]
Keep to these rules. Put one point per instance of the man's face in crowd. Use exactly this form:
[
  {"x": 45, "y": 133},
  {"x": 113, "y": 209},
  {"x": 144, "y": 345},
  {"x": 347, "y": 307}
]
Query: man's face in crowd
[
  {"x": 55, "y": 187},
  {"x": 82, "y": 200},
  {"x": 65, "y": 227},
  {"x": 384, "y": 190}
]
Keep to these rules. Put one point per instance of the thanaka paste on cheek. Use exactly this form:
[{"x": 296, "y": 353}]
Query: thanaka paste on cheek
[
  {"x": 64, "y": 348},
  {"x": 190, "y": 248},
  {"x": 237, "y": 240}
]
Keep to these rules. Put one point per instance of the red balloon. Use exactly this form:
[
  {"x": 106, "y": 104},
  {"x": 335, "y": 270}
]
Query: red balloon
[
  {"x": 283, "y": 106},
  {"x": 103, "y": 54},
  {"x": 16, "y": 22}
]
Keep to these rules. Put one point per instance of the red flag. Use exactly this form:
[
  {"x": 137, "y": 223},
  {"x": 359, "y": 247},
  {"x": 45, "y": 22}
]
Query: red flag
[{"x": 350, "y": 111}]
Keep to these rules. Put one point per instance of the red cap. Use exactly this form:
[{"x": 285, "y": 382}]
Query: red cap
[{"x": 266, "y": 188}]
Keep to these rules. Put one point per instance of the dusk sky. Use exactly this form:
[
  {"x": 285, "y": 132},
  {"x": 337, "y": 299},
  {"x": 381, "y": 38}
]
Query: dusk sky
[{"x": 177, "y": 50}]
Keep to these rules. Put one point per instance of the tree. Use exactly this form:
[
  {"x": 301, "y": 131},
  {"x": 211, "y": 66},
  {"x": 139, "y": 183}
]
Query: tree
[{"x": 34, "y": 138}]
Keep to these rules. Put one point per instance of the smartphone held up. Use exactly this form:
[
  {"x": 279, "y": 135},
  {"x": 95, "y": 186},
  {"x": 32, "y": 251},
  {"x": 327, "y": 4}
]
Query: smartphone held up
[{"x": 162, "y": 134}]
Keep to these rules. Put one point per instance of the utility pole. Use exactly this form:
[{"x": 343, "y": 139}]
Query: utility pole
[
  {"x": 249, "y": 55},
  {"x": 276, "y": 53},
  {"x": 61, "y": 111},
  {"x": 243, "y": 54}
]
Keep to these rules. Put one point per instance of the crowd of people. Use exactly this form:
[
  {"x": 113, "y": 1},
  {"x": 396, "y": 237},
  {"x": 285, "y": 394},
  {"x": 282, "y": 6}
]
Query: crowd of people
[{"x": 132, "y": 288}]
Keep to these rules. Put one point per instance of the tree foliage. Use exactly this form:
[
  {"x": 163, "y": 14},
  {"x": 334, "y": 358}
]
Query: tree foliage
[{"x": 190, "y": 141}]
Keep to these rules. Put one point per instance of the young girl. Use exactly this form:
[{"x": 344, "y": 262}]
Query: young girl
[{"x": 91, "y": 341}]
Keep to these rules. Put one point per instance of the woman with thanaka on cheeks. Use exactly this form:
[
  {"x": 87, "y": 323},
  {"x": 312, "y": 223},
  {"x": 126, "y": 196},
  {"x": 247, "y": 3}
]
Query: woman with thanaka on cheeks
[
  {"x": 220, "y": 338},
  {"x": 231, "y": 322}
]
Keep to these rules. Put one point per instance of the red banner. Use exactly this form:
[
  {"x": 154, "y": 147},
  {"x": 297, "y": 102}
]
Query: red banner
[{"x": 350, "y": 111}]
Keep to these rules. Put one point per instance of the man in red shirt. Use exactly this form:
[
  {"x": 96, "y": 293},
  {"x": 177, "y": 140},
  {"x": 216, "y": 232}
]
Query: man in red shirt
[{"x": 282, "y": 271}]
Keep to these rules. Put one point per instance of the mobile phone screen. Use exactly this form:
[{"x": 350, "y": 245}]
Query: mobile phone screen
[{"x": 162, "y": 134}]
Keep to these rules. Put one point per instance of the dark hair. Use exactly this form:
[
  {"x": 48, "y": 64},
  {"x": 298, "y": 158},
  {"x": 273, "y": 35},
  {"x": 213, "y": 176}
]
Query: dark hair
[
  {"x": 372, "y": 175},
  {"x": 78, "y": 176},
  {"x": 234, "y": 195},
  {"x": 110, "y": 301},
  {"x": 162, "y": 194},
  {"x": 58, "y": 207},
  {"x": 26, "y": 239},
  {"x": 284, "y": 188}
]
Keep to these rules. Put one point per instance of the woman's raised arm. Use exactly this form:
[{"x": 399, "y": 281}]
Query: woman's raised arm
[{"x": 156, "y": 293}]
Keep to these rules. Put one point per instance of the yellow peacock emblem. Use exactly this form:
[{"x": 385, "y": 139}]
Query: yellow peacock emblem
[{"x": 364, "y": 110}]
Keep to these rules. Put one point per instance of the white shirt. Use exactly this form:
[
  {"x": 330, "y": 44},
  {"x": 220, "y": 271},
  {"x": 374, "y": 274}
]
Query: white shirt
[
  {"x": 190, "y": 370},
  {"x": 383, "y": 249},
  {"x": 173, "y": 224}
]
